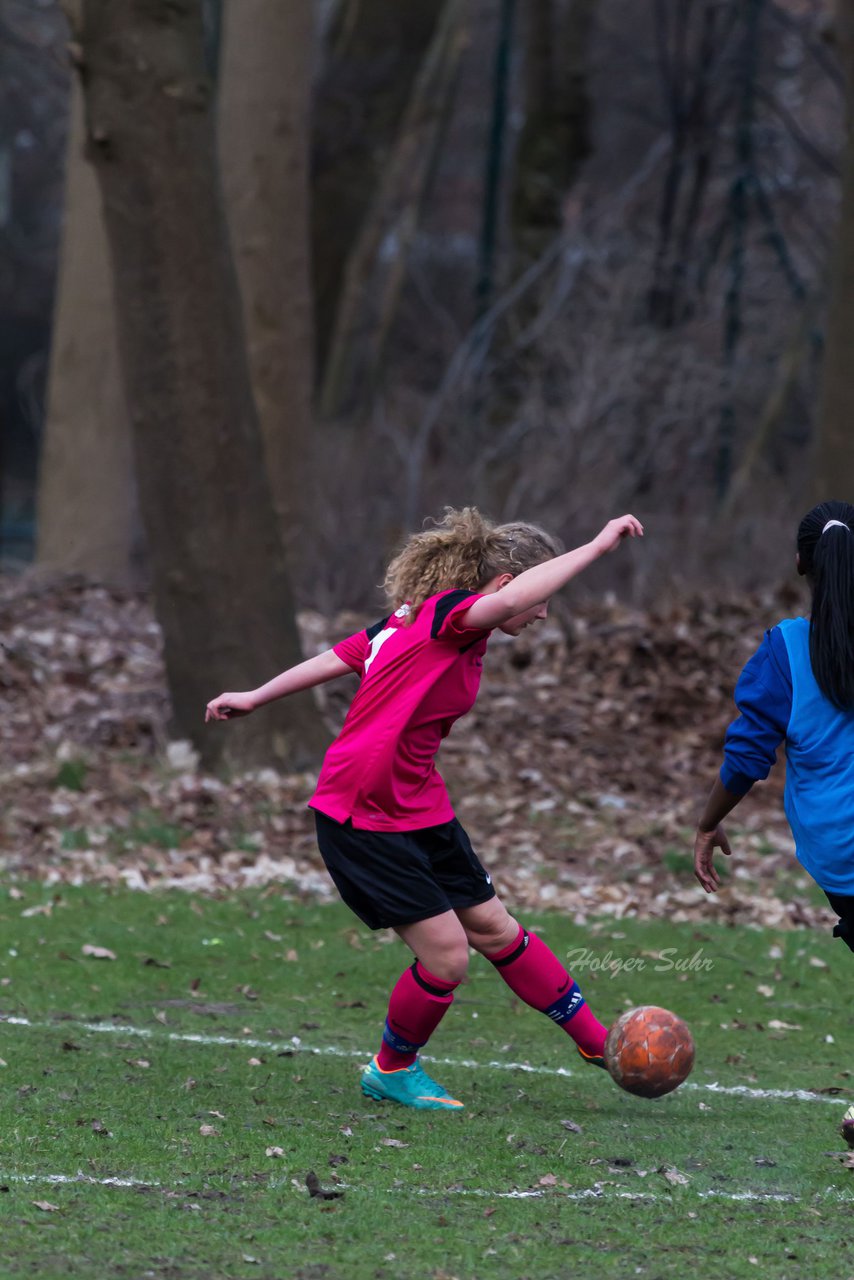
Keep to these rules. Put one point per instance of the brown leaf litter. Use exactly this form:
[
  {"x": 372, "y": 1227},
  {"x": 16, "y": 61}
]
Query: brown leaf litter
[{"x": 579, "y": 773}]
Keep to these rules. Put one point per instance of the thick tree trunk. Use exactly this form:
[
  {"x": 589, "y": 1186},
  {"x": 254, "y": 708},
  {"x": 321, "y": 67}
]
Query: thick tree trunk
[
  {"x": 263, "y": 136},
  {"x": 87, "y": 511},
  {"x": 222, "y": 592},
  {"x": 833, "y": 475}
]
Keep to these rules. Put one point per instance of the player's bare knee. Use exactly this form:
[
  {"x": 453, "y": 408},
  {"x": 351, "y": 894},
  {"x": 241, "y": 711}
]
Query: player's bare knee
[{"x": 452, "y": 965}]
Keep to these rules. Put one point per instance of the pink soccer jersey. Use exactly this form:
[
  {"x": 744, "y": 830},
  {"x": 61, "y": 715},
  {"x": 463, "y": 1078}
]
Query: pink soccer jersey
[{"x": 416, "y": 681}]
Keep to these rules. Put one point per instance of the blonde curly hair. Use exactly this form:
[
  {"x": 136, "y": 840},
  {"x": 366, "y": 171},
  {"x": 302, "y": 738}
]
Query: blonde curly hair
[{"x": 464, "y": 549}]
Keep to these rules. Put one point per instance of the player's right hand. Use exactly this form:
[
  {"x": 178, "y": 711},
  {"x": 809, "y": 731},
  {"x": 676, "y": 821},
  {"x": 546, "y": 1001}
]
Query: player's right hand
[
  {"x": 228, "y": 706},
  {"x": 705, "y": 843}
]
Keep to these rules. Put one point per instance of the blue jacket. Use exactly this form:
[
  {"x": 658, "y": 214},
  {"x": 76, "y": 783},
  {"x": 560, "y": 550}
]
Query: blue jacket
[{"x": 780, "y": 701}]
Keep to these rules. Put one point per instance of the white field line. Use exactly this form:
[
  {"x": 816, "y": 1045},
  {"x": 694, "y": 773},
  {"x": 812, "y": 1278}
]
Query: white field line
[
  {"x": 54, "y": 1179},
  {"x": 295, "y": 1045},
  {"x": 597, "y": 1192}
]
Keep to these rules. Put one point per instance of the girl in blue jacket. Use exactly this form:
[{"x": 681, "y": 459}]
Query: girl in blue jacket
[{"x": 798, "y": 688}]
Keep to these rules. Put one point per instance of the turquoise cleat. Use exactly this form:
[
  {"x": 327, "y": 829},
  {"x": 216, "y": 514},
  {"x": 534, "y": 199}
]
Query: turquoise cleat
[{"x": 410, "y": 1086}]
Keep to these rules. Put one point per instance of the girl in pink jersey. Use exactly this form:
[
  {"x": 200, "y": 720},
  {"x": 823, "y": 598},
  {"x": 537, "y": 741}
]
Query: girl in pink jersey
[{"x": 386, "y": 829}]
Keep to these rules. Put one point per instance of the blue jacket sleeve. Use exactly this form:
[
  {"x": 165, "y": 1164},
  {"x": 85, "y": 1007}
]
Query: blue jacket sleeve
[{"x": 763, "y": 696}]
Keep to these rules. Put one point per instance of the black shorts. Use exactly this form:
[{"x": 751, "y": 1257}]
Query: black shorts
[
  {"x": 843, "y": 905},
  {"x": 393, "y": 878}
]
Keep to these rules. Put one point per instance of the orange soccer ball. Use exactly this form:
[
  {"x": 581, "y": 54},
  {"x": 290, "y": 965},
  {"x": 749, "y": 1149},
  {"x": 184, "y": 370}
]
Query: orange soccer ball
[{"x": 649, "y": 1051}]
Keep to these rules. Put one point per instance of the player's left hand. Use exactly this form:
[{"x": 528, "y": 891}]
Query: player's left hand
[
  {"x": 615, "y": 531},
  {"x": 705, "y": 843}
]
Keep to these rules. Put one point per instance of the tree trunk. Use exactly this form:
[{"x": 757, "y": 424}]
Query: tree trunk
[
  {"x": 87, "y": 510},
  {"x": 376, "y": 266},
  {"x": 263, "y": 137},
  {"x": 555, "y": 138},
  {"x": 833, "y": 474},
  {"x": 222, "y": 593},
  {"x": 374, "y": 52}
]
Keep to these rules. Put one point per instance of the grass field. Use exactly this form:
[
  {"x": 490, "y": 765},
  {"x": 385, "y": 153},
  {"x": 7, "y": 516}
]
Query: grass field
[{"x": 162, "y": 1110}]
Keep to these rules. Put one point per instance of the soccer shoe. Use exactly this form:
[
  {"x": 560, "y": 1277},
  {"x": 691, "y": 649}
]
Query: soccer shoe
[
  {"x": 595, "y": 1059},
  {"x": 410, "y": 1086}
]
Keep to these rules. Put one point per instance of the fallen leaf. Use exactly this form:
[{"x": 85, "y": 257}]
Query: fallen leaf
[
  {"x": 847, "y": 1127},
  {"x": 776, "y": 1025},
  {"x": 275, "y": 1153},
  {"x": 392, "y": 1142},
  {"x": 45, "y": 1206},
  {"x": 673, "y": 1176},
  {"x": 317, "y": 1191},
  {"x": 571, "y": 1126},
  {"x": 208, "y": 1131},
  {"x": 97, "y": 953},
  {"x": 547, "y": 1180}
]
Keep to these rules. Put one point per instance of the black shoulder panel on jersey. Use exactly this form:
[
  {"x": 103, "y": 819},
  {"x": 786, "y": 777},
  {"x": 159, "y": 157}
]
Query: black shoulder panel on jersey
[
  {"x": 376, "y": 628},
  {"x": 444, "y": 607}
]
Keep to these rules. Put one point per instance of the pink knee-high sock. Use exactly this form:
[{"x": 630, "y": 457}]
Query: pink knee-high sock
[
  {"x": 536, "y": 975},
  {"x": 418, "y": 1004}
]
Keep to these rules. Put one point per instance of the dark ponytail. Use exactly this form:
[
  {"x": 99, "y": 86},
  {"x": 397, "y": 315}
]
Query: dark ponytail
[{"x": 826, "y": 556}]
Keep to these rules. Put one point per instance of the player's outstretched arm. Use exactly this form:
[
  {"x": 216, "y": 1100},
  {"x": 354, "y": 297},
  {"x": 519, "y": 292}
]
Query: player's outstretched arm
[
  {"x": 326, "y": 666},
  {"x": 536, "y": 585}
]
